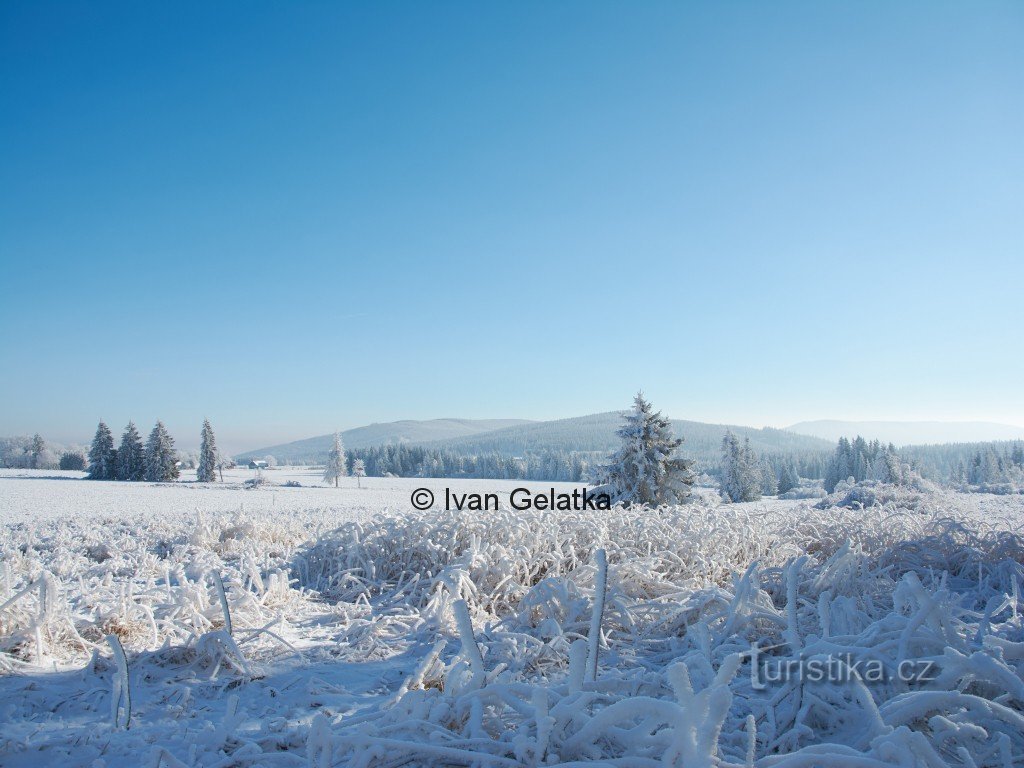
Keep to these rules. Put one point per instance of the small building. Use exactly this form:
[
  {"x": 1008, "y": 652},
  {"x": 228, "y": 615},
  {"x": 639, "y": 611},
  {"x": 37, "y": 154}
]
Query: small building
[{"x": 257, "y": 464}]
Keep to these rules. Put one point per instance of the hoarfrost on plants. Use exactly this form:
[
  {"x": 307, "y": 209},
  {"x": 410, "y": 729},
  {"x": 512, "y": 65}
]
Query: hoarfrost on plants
[{"x": 369, "y": 636}]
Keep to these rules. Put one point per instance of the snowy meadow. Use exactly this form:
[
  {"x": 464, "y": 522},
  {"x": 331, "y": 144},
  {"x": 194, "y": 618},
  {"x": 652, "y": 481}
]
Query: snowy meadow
[{"x": 186, "y": 624}]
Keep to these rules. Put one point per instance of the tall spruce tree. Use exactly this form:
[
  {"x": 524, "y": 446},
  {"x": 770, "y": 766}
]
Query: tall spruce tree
[
  {"x": 207, "y": 470},
  {"x": 647, "y": 468},
  {"x": 769, "y": 480},
  {"x": 101, "y": 454},
  {"x": 131, "y": 457},
  {"x": 161, "y": 460},
  {"x": 335, "y": 461},
  {"x": 740, "y": 474},
  {"x": 788, "y": 479},
  {"x": 730, "y": 485}
]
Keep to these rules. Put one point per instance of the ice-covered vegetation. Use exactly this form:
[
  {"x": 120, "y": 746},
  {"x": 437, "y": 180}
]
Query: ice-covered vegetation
[{"x": 444, "y": 638}]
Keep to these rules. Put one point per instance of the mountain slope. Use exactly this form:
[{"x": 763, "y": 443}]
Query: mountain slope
[
  {"x": 911, "y": 432},
  {"x": 407, "y": 431}
]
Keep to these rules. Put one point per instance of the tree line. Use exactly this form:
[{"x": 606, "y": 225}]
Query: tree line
[
  {"x": 862, "y": 460},
  {"x": 413, "y": 461},
  {"x": 990, "y": 468},
  {"x": 24, "y": 452},
  {"x": 154, "y": 461}
]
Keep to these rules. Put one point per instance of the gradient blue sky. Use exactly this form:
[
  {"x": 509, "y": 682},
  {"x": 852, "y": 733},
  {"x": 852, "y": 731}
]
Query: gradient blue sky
[{"x": 296, "y": 217}]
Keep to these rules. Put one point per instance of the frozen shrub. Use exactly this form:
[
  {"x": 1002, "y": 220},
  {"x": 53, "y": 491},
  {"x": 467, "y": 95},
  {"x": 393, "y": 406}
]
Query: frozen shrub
[
  {"x": 806, "y": 490},
  {"x": 72, "y": 460}
]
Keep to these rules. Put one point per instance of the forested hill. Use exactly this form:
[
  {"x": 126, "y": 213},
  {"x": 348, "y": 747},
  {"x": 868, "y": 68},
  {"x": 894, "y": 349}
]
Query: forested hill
[
  {"x": 583, "y": 434},
  {"x": 596, "y": 433},
  {"x": 314, "y": 449}
]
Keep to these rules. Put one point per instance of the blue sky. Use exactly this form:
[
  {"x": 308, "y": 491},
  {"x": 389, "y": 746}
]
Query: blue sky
[{"x": 295, "y": 217}]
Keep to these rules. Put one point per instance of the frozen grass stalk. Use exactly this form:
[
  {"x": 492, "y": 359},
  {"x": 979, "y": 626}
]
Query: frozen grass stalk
[
  {"x": 121, "y": 701},
  {"x": 600, "y": 587},
  {"x": 219, "y": 584},
  {"x": 469, "y": 646}
]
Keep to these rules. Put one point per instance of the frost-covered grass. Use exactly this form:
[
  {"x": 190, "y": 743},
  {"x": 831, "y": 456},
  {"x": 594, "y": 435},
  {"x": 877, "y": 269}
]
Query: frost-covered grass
[{"x": 360, "y": 632}]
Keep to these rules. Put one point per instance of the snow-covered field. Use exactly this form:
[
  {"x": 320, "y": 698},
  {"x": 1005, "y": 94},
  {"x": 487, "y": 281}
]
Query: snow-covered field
[
  {"x": 34, "y": 494},
  {"x": 339, "y": 627}
]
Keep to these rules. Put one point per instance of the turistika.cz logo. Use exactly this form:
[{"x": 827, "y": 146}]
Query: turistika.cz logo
[{"x": 519, "y": 499}]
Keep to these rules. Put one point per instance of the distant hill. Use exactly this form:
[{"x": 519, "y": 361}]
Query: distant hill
[
  {"x": 911, "y": 432},
  {"x": 592, "y": 434},
  {"x": 596, "y": 433},
  {"x": 394, "y": 432}
]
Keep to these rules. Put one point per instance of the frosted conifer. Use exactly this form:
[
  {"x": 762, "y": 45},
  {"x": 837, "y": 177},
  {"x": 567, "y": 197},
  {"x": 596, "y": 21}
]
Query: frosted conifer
[
  {"x": 335, "y": 461},
  {"x": 741, "y": 478},
  {"x": 101, "y": 454},
  {"x": 788, "y": 479},
  {"x": 647, "y": 469},
  {"x": 161, "y": 460},
  {"x": 207, "y": 470},
  {"x": 131, "y": 458}
]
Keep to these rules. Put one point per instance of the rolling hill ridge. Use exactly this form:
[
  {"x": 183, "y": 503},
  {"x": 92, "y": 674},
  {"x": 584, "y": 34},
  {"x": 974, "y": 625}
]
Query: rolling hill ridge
[{"x": 594, "y": 433}]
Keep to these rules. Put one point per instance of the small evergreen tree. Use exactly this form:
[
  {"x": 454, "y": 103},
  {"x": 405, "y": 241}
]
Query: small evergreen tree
[
  {"x": 207, "y": 470},
  {"x": 131, "y": 459},
  {"x": 359, "y": 470},
  {"x": 161, "y": 459},
  {"x": 647, "y": 468},
  {"x": 101, "y": 454},
  {"x": 336, "y": 467}
]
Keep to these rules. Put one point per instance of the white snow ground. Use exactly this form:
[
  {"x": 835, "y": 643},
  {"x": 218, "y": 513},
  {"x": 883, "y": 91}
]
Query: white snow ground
[
  {"x": 35, "y": 494},
  {"x": 345, "y": 648}
]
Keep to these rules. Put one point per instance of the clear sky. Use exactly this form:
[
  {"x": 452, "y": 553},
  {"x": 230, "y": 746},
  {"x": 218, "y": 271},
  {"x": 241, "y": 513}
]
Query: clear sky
[{"x": 296, "y": 217}]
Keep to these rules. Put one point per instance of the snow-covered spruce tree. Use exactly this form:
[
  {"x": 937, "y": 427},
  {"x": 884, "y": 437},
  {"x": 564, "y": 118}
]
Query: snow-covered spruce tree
[
  {"x": 769, "y": 480},
  {"x": 335, "y": 461},
  {"x": 888, "y": 468},
  {"x": 359, "y": 470},
  {"x": 101, "y": 454},
  {"x": 729, "y": 484},
  {"x": 741, "y": 475},
  {"x": 207, "y": 469},
  {"x": 647, "y": 468},
  {"x": 131, "y": 457},
  {"x": 161, "y": 459},
  {"x": 788, "y": 479},
  {"x": 840, "y": 465}
]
